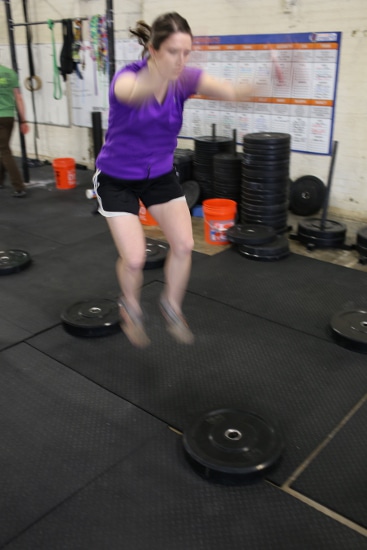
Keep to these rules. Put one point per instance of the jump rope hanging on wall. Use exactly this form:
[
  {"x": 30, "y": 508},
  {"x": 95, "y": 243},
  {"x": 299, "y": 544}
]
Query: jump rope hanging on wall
[
  {"x": 57, "y": 91},
  {"x": 99, "y": 47}
]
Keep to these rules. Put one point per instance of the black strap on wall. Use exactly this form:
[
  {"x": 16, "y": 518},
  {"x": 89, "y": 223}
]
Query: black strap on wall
[{"x": 66, "y": 55}]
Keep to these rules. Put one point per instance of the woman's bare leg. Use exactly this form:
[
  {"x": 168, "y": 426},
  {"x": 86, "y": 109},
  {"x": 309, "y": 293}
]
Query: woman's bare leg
[
  {"x": 129, "y": 239},
  {"x": 175, "y": 221}
]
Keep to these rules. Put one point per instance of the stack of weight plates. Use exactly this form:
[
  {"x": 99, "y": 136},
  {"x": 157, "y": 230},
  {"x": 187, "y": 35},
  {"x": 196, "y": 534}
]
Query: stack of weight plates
[
  {"x": 183, "y": 164},
  {"x": 265, "y": 179},
  {"x": 258, "y": 242},
  {"x": 315, "y": 232},
  {"x": 205, "y": 149},
  {"x": 227, "y": 176}
]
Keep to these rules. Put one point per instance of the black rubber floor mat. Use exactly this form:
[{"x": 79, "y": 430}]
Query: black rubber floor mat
[
  {"x": 11, "y": 237},
  {"x": 298, "y": 292},
  {"x": 153, "y": 500},
  {"x": 34, "y": 299},
  {"x": 337, "y": 476},
  {"x": 51, "y": 204},
  {"x": 11, "y": 334},
  {"x": 58, "y": 432},
  {"x": 238, "y": 361}
]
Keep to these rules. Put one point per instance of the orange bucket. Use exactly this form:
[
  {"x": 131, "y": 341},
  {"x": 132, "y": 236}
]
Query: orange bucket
[
  {"x": 219, "y": 215},
  {"x": 145, "y": 217},
  {"x": 64, "y": 169}
]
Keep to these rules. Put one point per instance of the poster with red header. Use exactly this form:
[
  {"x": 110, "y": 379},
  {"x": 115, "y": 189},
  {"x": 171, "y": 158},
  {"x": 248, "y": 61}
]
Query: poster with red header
[{"x": 301, "y": 102}]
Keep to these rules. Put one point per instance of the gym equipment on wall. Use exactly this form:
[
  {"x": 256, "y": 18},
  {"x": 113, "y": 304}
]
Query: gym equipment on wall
[{"x": 11, "y": 25}]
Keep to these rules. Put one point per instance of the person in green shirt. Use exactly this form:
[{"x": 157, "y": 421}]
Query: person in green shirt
[{"x": 11, "y": 100}]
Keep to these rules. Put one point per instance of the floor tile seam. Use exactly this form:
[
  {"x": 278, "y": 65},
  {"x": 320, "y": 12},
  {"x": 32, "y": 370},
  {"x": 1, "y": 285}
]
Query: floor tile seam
[
  {"x": 332, "y": 514},
  {"x": 80, "y": 489},
  {"x": 313, "y": 455},
  {"x": 240, "y": 310},
  {"x": 101, "y": 386},
  {"x": 26, "y": 339}
]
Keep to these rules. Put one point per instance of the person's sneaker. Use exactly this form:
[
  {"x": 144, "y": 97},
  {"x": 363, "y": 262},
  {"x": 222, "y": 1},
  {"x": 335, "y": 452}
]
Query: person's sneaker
[
  {"x": 19, "y": 194},
  {"x": 176, "y": 323},
  {"x": 133, "y": 326}
]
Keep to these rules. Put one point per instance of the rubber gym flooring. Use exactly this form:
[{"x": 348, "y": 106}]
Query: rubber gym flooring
[{"x": 91, "y": 453}]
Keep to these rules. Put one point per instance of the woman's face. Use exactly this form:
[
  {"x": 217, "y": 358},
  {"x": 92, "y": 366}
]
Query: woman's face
[{"x": 172, "y": 56}]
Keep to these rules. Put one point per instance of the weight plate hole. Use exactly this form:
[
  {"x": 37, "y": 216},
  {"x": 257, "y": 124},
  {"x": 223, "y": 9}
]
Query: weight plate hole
[
  {"x": 233, "y": 435},
  {"x": 95, "y": 309}
]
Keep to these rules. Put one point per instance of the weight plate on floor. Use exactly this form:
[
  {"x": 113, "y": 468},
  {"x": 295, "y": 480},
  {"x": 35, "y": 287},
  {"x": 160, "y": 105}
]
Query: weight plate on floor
[
  {"x": 191, "y": 189},
  {"x": 315, "y": 228},
  {"x": 232, "y": 441},
  {"x": 92, "y": 318},
  {"x": 362, "y": 249},
  {"x": 362, "y": 236},
  {"x": 13, "y": 261},
  {"x": 250, "y": 234},
  {"x": 307, "y": 195},
  {"x": 269, "y": 252},
  {"x": 350, "y": 329},
  {"x": 327, "y": 242},
  {"x": 156, "y": 254}
]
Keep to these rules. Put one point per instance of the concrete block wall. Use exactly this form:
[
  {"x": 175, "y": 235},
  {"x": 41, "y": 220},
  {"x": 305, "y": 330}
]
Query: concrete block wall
[{"x": 349, "y": 187}]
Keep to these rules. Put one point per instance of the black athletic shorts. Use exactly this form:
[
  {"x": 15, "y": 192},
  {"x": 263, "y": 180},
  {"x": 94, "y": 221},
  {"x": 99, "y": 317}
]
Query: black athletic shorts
[{"x": 118, "y": 196}]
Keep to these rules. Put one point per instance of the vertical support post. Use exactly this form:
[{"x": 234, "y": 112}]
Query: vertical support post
[
  {"x": 97, "y": 132},
  {"x": 15, "y": 67},
  {"x": 110, "y": 38},
  {"x": 328, "y": 187}
]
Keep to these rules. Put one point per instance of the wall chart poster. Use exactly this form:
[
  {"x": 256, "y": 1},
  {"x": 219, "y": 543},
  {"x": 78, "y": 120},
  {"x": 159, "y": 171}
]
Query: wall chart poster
[{"x": 301, "y": 104}]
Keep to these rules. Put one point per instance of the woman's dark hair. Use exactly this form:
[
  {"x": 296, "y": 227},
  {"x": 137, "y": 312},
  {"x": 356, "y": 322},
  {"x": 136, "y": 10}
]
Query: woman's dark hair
[{"x": 161, "y": 29}]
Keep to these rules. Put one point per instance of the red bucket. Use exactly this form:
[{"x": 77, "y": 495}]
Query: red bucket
[
  {"x": 219, "y": 215},
  {"x": 64, "y": 169},
  {"x": 145, "y": 217}
]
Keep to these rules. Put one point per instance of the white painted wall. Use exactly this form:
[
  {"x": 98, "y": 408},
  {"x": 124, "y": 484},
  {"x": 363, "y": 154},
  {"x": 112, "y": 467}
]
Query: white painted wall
[{"x": 349, "y": 187}]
